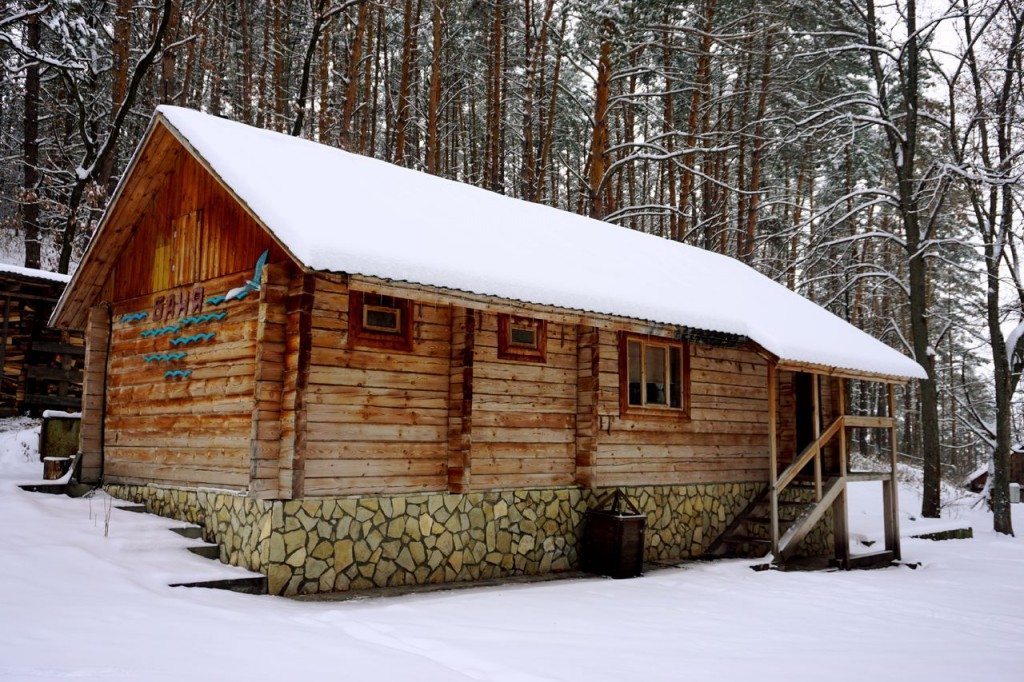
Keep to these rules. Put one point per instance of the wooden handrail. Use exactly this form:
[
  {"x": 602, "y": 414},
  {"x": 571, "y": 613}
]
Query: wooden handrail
[
  {"x": 799, "y": 530},
  {"x": 810, "y": 452},
  {"x": 866, "y": 422}
]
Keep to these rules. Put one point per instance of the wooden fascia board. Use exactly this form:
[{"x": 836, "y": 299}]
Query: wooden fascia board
[
  {"x": 840, "y": 372},
  {"x": 57, "y": 316}
]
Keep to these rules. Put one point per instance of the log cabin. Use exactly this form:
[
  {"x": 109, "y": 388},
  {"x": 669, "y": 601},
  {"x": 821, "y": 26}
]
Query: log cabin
[
  {"x": 40, "y": 367},
  {"x": 357, "y": 375}
]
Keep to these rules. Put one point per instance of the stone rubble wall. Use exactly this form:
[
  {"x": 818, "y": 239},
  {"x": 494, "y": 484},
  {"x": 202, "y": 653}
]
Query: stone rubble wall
[
  {"x": 238, "y": 524},
  {"x": 345, "y": 543}
]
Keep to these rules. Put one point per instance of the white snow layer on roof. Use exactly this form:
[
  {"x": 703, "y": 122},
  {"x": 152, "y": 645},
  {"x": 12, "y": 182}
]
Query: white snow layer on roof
[
  {"x": 32, "y": 272},
  {"x": 343, "y": 212}
]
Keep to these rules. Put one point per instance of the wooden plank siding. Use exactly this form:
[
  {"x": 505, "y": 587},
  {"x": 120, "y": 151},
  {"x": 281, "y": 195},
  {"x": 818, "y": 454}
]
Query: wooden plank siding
[
  {"x": 193, "y": 431},
  {"x": 725, "y": 439},
  {"x": 377, "y": 419},
  {"x": 524, "y": 412},
  {"x": 180, "y": 231}
]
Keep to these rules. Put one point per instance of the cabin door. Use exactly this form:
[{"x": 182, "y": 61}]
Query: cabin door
[{"x": 803, "y": 395}]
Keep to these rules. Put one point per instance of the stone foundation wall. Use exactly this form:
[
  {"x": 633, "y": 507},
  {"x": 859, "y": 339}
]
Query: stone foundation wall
[
  {"x": 336, "y": 544},
  {"x": 240, "y": 525}
]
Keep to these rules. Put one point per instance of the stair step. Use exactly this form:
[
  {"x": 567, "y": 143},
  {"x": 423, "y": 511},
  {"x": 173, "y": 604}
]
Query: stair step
[
  {"x": 254, "y": 585},
  {"x": 193, "y": 532},
  {"x": 745, "y": 540},
  {"x": 872, "y": 560},
  {"x": 206, "y": 551}
]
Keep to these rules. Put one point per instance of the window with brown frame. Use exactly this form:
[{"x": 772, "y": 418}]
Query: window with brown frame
[
  {"x": 522, "y": 338},
  {"x": 379, "y": 321},
  {"x": 654, "y": 375}
]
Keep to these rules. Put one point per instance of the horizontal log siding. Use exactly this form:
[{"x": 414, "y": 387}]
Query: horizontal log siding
[
  {"x": 193, "y": 431},
  {"x": 725, "y": 439},
  {"x": 524, "y": 413},
  {"x": 376, "y": 420}
]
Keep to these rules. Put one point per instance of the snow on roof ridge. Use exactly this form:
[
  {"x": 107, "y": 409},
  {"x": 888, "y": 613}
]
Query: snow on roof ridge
[
  {"x": 34, "y": 272},
  {"x": 318, "y": 200}
]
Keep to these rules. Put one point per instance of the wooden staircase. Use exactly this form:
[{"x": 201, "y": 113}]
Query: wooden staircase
[{"x": 761, "y": 528}]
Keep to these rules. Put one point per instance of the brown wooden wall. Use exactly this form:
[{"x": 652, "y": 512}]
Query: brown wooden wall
[
  {"x": 725, "y": 439},
  {"x": 524, "y": 413},
  {"x": 192, "y": 431},
  {"x": 191, "y": 230},
  {"x": 190, "y": 240},
  {"x": 40, "y": 367},
  {"x": 376, "y": 420}
]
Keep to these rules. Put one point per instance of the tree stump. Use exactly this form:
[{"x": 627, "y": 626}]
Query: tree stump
[{"x": 55, "y": 467}]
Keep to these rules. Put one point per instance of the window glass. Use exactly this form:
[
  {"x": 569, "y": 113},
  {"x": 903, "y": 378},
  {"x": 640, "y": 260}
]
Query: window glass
[
  {"x": 523, "y": 336},
  {"x": 676, "y": 378},
  {"x": 654, "y": 370},
  {"x": 382, "y": 319},
  {"x": 635, "y": 373}
]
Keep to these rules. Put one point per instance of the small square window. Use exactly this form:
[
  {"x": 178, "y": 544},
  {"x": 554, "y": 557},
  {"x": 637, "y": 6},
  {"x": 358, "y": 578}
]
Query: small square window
[
  {"x": 521, "y": 338},
  {"x": 653, "y": 374},
  {"x": 380, "y": 321}
]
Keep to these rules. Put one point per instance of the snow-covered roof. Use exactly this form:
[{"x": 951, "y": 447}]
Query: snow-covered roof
[
  {"x": 342, "y": 212},
  {"x": 32, "y": 272}
]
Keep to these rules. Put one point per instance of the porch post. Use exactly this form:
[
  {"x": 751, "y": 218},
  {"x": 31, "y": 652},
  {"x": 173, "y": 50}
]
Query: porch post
[
  {"x": 773, "y": 455},
  {"x": 840, "y": 513},
  {"x": 816, "y": 421},
  {"x": 890, "y": 487}
]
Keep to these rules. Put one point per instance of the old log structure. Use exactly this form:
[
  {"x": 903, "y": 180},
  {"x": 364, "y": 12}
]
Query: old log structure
[
  {"x": 344, "y": 426},
  {"x": 41, "y": 366}
]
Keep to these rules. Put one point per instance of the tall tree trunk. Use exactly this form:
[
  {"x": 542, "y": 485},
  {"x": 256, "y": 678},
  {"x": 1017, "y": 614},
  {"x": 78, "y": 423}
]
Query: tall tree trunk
[
  {"x": 433, "y": 142},
  {"x": 599, "y": 190},
  {"x": 410, "y": 25},
  {"x": 30, "y": 150}
]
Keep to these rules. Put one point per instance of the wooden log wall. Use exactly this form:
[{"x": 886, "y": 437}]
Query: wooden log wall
[
  {"x": 266, "y": 429},
  {"x": 376, "y": 419},
  {"x": 188, "y": 431},
  {"x": 524, "y": 413},
  {"x": 725, "y": 440},
  {"x": 40, "y": 367},
  {"x": 90, "y": 437}
]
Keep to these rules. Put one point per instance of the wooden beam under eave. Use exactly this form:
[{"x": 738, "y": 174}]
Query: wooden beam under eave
[
  {"x": 825, "y": 370},
  {"x": 892, "y": 495}
]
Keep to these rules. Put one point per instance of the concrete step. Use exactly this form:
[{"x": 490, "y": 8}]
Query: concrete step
[
  {"x": 194, "y": 532},
  {"x": 206, "y": 551},
  {"x": 746, "y": 540},
  {"x": 253, "y": 585}
]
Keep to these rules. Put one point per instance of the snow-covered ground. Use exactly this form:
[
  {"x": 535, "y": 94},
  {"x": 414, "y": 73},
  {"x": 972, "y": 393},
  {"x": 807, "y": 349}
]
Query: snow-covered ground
[{"x": 74, "y": 603}]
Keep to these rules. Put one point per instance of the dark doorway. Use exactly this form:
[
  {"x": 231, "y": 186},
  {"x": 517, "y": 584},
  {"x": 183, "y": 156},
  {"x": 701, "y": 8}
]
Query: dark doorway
[{"x": 803, "y": 389}]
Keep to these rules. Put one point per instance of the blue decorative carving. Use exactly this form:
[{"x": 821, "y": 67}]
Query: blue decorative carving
[
  {"x": 132, "y": 317},
  {"x": 170, "y": 329},
  {"x": 195, "y": 338},
  {"x": 239, "y": 293},
  {"x": 205, "y": 317},
  {"x": 165, "y": 357},
  {"x": 177, "y": 373}
]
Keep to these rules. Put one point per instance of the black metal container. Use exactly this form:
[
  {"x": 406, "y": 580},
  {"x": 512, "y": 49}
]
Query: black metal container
[{"x": 613, "y": 538}]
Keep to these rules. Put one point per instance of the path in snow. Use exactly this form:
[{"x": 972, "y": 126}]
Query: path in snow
[{"x": 76, "y": 604}]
